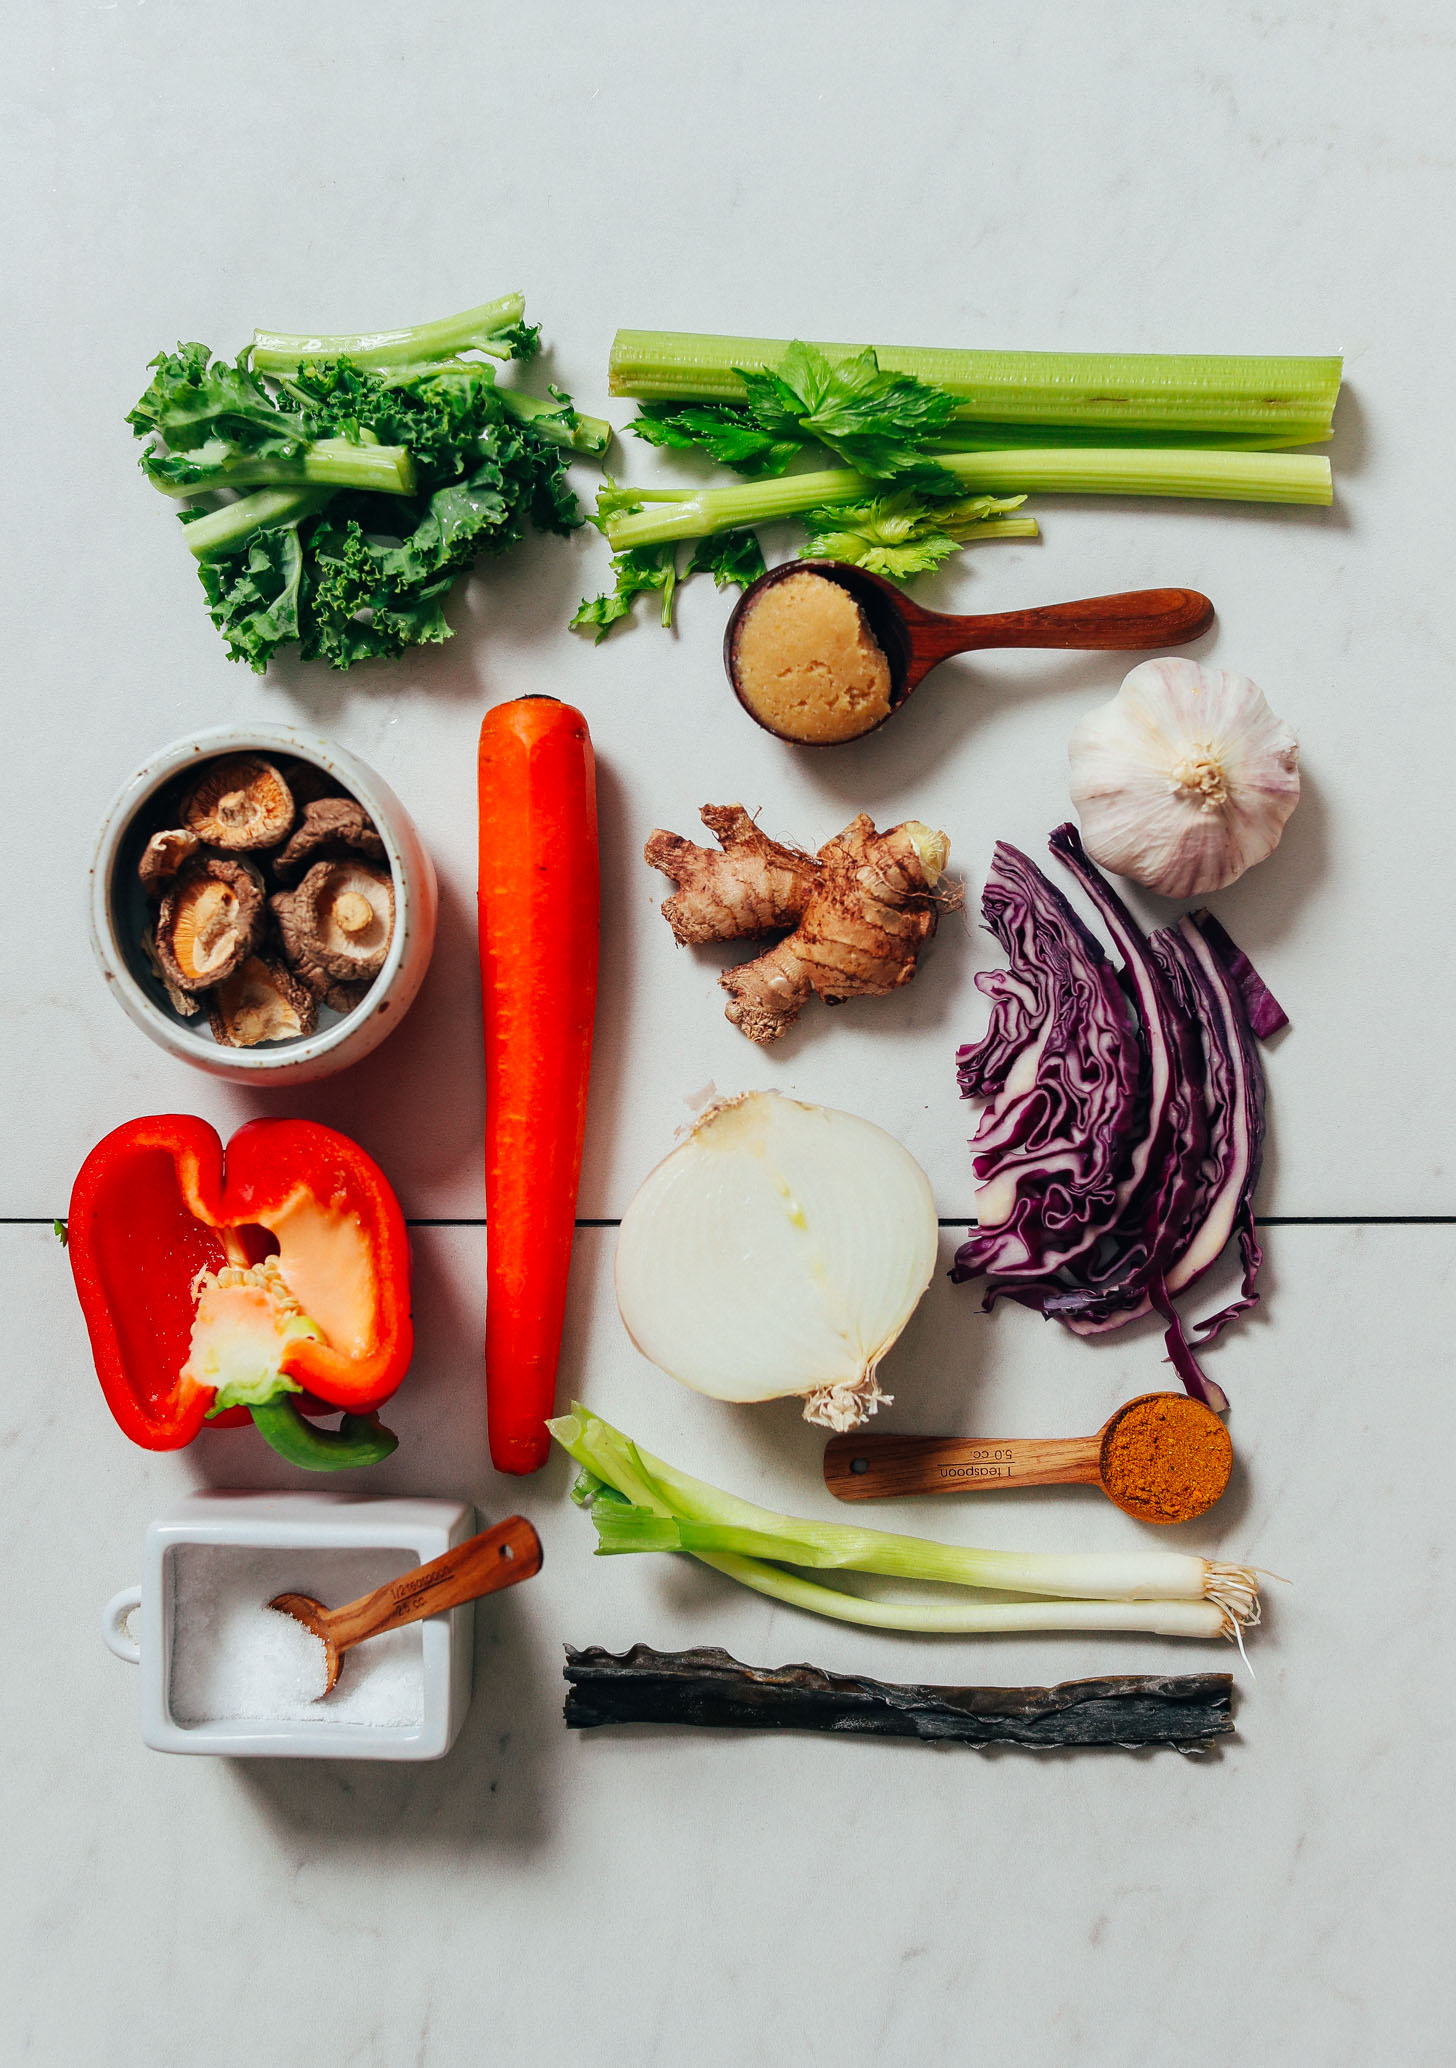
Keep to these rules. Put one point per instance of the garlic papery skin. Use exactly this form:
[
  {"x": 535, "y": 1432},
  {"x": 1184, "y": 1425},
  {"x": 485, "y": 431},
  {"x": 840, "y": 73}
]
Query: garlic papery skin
[
  {"x": 778, "y": 1252},
  {"x": 1185, "y": 779}
]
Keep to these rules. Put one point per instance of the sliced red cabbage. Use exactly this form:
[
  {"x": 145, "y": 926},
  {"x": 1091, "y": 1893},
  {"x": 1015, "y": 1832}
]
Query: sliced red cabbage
[
  {"x": 1264, "y": 1012},
  {"x": 1060, "y": 1064},
  {"x": 1172, "y": 1139}
]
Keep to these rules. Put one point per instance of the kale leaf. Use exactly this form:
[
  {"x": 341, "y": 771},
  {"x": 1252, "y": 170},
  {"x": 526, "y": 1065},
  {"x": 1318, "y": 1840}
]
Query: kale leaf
[
  {"x": 194, "y": 400},
  {"x": 366, "y": 577},
  {"x": 377, "y": 487}
]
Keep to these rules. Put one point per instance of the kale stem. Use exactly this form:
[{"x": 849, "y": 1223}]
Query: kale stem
[
  {"x": 276, "y": 351},
  {"x": 589, "y": 434},
  {"x": 223, "y": 531},
  {"x": 336, "y": 462}
]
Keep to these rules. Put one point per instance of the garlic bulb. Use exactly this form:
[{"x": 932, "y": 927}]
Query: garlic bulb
[
  {"x": 778, "y": 1251},
  {"x": 1185, "y": 779}
]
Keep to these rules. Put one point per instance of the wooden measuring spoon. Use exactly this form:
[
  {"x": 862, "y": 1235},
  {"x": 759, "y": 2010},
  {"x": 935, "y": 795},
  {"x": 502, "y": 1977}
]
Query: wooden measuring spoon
[
  {"x": 485, "y": 1564},
  {"x": 915, "y": 640},
  {"x": 1169, "y": 1429}
]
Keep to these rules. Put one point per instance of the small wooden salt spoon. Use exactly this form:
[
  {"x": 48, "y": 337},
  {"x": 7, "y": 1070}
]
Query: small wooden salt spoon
[
  {"x": 915, "y": 640},
  {"x": 1169, "y": 1429},
  {"x": 498, "y": 1558}
]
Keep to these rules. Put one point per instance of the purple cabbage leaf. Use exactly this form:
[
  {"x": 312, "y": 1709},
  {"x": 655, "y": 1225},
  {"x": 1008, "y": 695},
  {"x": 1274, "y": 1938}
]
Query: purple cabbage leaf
[
  {"x": 1120, "y": 1146},
  {"x": 1060, "y": 1065}
]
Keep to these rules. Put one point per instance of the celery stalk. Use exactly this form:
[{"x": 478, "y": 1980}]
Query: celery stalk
[
  {"x": 964, "y": 434},
  {"x": 1260, "y": 477},
  {"x": 1144, "y": 391}
]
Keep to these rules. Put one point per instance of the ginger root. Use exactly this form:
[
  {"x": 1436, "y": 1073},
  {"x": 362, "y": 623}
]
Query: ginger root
[{"x": 858, "y": 911}]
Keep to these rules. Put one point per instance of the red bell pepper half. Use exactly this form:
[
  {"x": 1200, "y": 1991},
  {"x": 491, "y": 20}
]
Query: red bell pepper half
[{"x": 278, "y": 1283}]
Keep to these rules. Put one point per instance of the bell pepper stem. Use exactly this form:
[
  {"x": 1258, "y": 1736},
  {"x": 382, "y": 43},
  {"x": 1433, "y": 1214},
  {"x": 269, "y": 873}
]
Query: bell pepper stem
[{"x": 358, "y": 1440}]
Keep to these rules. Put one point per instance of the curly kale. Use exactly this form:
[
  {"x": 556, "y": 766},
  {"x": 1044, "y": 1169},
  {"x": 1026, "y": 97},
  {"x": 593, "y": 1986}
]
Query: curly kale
[{"x": 372, "y": 487}]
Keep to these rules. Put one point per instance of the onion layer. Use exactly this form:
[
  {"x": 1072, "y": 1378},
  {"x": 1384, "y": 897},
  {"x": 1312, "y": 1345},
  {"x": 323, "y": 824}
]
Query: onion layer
[{"x": 778, "y": 1252}]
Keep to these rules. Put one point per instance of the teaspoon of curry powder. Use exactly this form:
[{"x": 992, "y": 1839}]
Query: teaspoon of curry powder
[{"x": 1161, "y": 1457}]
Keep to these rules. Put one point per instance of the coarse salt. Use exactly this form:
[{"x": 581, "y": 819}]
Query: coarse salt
[{"x": 233, "y": 1657}]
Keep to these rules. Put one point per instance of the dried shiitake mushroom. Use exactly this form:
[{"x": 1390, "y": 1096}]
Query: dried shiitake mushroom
[
  {"x": 210, "y": 918},
  {"x": 261, "y": 1001},
  {"x": 339, "y": 921},
  {"x": 239, "y": 803},
  {"x": 163, "y": 856},
  {"x": 332, "y": 991},
  {"x": 309, "y": 782},
  {"x": 181, "y": 1001},
  {"x": 330, "y": 828}
]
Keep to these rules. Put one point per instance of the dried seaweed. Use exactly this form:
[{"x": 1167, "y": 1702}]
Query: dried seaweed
[{"x": 707, "y": 1687}]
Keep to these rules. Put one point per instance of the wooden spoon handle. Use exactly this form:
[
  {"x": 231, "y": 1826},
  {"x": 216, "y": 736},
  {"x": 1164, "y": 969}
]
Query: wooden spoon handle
[
  {"x": 868, "y": 1468},
  {"x": 485, "y": 1564},
  {"x": 1136, "y": 618}
]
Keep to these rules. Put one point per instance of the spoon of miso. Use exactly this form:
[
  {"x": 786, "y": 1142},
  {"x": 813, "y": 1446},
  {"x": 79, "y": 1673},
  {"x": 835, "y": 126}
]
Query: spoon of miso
[
  {"x": 820, "y": 652},
  {"x": 497, "y": 1558},
  {"x": 1161, "y": 1457}
]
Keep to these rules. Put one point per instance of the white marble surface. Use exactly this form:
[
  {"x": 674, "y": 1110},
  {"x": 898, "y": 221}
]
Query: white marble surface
[
  {"x": 656, "y": 1897},
  {"x": 1049, "y": 175}
]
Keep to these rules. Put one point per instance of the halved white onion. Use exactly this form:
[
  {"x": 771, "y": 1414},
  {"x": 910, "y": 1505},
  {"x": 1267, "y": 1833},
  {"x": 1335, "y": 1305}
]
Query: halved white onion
[{"x": 778, "y": 1251}]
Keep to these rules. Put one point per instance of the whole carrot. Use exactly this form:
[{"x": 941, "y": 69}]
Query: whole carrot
[{"x": 539, "y": 914}]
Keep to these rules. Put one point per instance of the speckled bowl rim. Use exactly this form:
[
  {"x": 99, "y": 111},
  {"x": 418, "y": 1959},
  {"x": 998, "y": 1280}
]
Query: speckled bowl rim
[{"x": 413, "y": 902}]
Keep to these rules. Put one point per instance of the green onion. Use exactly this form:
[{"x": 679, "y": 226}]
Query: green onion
[
  {"x": 653, "y": 1507},
  {"x": 974, "y": 1618},
  {"x": 1142, "y": 391},
  {"x": 1264, "y": 477}
]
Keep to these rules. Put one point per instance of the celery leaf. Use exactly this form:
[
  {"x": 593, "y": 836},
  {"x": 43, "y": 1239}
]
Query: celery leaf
[
  {"x": 882, "y": 424},
  {"x": 899, "y": 535},
  {"x": 726, "y": 431},
  {"x": 729, "y": 557},
  {"x": 639, "y": 573},
  {"x": 878, "y": 423}
]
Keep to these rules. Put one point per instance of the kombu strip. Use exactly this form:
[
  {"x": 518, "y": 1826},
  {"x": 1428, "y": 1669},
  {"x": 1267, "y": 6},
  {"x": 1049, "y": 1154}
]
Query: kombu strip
[{"x": 706, "y": 1687}]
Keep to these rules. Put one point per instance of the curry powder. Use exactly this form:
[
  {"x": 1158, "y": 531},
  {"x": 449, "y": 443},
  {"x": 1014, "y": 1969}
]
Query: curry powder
[{"x": 1166, "y": 1458}]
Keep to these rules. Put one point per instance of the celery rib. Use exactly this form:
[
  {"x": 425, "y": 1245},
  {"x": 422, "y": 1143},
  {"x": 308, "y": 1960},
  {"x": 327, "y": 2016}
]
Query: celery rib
[
  {"x": 1145, "y": 391},
  {"x": 964, "y": 434},
  {"x": 1263, "y": 477}
]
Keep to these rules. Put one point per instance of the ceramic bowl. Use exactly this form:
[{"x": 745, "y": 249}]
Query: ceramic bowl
[
  {"x": 139, "y": 1622},
  {"x": 119, "y": 913}
]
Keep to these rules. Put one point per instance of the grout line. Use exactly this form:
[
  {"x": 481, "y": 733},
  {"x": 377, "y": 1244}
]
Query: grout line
[
  {"x": 1261, "y": 1220},
  {"x": 953, "y": 1221}
]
